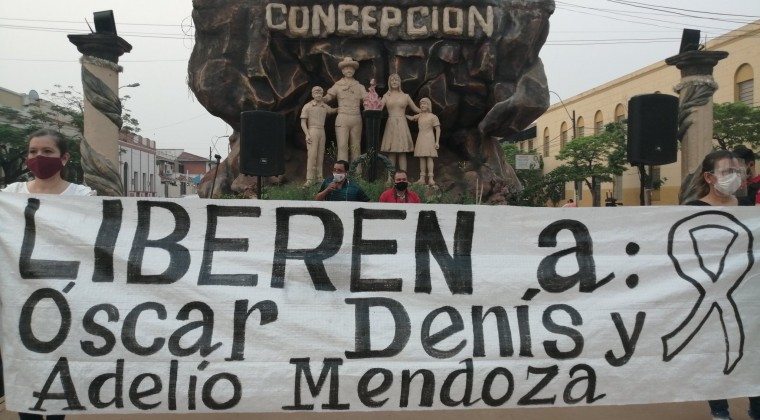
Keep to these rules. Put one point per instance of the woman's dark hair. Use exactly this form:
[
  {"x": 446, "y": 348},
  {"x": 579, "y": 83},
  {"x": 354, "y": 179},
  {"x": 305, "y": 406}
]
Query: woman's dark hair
[
  {"x": 60, "y": 143},
  {"x": 708, "y": 165},
  {"x": 58, "y": 139},
  {"x": 745, "y": 154}
]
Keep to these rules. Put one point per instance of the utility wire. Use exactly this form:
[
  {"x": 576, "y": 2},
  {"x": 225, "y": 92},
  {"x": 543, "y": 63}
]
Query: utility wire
[
  {"x": 622, "y": 13},
  {"x": 638, "y": 4},
  {"x": 80, "y": 22},
  {"x": 702, "y": 11}
]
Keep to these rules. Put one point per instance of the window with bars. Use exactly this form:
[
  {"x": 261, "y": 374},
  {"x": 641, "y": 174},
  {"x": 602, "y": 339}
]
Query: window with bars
[
  {"x": 619, "y": 113},
  {"x": 746, "y": 91},
  {"x": 546, "y": 146},
  {"x": 598, "y": 123}
]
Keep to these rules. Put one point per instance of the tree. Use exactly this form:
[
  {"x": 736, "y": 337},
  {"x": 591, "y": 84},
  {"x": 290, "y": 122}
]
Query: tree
[
  {"x": 736, "y": 123},
  {"x": 61, "y": 108},
  {"x": 593, "y": 159},
  {"x": 537, "y": 188},
  {"x": 12, "y": 150},
  {"x": 16, "y": 130}
]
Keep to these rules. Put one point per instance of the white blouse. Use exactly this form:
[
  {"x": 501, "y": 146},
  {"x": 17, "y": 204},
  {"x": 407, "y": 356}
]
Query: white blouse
[{"x": 72, "y": 189}]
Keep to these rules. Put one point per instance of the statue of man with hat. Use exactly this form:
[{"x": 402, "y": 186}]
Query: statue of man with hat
[{"x": 348, "y": 124}]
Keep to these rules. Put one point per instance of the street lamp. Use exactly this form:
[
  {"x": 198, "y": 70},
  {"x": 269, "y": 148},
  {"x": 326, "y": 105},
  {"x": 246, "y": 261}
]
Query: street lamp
[
  {"x": 572, "y": 117},
  {"x": 577, "y": 185}
]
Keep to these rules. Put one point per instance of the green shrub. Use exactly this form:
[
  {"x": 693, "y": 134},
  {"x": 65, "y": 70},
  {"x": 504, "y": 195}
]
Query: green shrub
[
  {"x": 428, "y": 195},
  {"x": 289, "y": 192}
]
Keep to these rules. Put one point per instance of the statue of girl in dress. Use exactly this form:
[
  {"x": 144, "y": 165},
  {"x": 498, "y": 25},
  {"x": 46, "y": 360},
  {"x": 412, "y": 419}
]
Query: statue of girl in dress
[
  {"x": 428, "y": 140},
  {"x": 397, "y": 140}
]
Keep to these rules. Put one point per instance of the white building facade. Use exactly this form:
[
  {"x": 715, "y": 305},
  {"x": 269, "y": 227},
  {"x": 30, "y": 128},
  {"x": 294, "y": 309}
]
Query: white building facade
[{"x": 137, "y": 165}]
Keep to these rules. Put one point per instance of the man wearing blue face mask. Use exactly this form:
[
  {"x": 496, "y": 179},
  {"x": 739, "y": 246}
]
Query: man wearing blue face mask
[{"x": 339, "y": 188}]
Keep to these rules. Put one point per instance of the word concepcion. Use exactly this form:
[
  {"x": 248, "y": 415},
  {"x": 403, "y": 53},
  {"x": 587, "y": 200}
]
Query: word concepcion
[{"x": 348, "y": 19}]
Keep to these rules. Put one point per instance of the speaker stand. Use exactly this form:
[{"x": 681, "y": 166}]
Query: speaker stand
[
  {"x": 372, "y": 119},
  {"x": 645, "y": 191}
]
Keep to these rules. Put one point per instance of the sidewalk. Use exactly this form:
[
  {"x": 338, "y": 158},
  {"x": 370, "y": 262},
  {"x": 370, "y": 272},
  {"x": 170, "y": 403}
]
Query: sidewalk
[{"x": 675, "y": 411}]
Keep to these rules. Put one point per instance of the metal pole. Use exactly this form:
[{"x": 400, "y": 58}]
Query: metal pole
[
  {"x": 216, "y": 171},
  {"x": 575, "y": 131}
]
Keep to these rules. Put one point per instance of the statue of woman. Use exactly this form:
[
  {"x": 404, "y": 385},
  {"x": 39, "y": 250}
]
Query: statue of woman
[
  {"x": 428, "y": 140},
  {"x": 397, "y": 140}
]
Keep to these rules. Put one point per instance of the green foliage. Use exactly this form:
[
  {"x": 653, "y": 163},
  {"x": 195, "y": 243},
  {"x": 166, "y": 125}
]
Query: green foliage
[
  {"x": 538, "y": 189},
  {"x": 64, "y": 109},
  {"x": 593, "y": 159},
  {"x": 428, "y": 195},
  {"x": 12, "y": 151},
  {"x": 289, "y": 192},
  {"x": 14, "y": 146},
  {"x": 735, "y": 124}
]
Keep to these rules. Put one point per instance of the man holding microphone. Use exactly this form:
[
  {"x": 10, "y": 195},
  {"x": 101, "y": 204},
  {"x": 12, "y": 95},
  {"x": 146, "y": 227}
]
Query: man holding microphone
[{"x": 339, "y": 188}]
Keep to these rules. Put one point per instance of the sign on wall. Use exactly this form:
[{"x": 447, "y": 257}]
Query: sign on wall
[
  {"x": 116, "y": 305},
  {"x": 527, "y": 162}
]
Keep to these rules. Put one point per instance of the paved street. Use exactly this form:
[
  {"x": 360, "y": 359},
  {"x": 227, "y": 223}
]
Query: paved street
[{"x": 675, "y": 411}]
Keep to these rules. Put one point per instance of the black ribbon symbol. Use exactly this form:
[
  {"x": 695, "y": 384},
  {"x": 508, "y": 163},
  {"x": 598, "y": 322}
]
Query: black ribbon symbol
[{"x": 688, "y": 237}]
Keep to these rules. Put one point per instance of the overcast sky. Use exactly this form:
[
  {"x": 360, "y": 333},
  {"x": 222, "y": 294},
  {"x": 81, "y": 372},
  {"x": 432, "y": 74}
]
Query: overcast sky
[{"x": 591, "y": 42}]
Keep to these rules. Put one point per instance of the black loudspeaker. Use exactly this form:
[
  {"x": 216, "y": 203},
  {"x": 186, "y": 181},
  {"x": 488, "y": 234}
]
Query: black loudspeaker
[
  {"x": 104, "y": 22},
  {"x": 689, "y": 40},
  {"x": 653, "y": 129},
  {"x": 262, "y": 143}
]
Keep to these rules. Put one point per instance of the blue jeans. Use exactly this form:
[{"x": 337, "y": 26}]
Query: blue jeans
[{"x": 719, "y": 408}]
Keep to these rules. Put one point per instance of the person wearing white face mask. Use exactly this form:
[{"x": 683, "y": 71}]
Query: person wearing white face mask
[
  {"x": 721, "y": 178},
  {"x": 339, "y": 188}
]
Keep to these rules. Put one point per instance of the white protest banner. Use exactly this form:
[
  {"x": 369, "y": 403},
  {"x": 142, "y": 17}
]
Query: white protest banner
[{"x": 114, "y": 305}]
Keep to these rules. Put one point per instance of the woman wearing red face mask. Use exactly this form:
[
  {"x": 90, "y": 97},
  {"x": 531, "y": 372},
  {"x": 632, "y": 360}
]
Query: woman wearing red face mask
[{"x": 46, "y": 157}]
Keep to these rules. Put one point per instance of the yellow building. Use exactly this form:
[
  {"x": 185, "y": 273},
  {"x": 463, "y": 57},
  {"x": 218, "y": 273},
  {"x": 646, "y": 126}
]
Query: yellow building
[{"x": 599, "y": 106}]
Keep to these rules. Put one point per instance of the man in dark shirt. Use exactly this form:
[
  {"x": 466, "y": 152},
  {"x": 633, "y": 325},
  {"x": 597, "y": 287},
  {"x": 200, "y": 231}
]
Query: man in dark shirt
[
  {"x": 339, "y": 188},
  {"x": 747, "y": 159}
]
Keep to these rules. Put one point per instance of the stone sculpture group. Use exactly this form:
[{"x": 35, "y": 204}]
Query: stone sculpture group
[
  {"x": 478, "y": 64},
  {"x": 397, "y": 139}
]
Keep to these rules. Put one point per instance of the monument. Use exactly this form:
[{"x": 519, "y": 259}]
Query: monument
[
  {"x": 477, "y": 62},
  {"x": 428, "y": 141},
  {"x": 397, "y": 140},
  {"x": 102, "y": 107},
  {"x": 695, "y": 113},
  {"x": 313, "y": 116}
]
